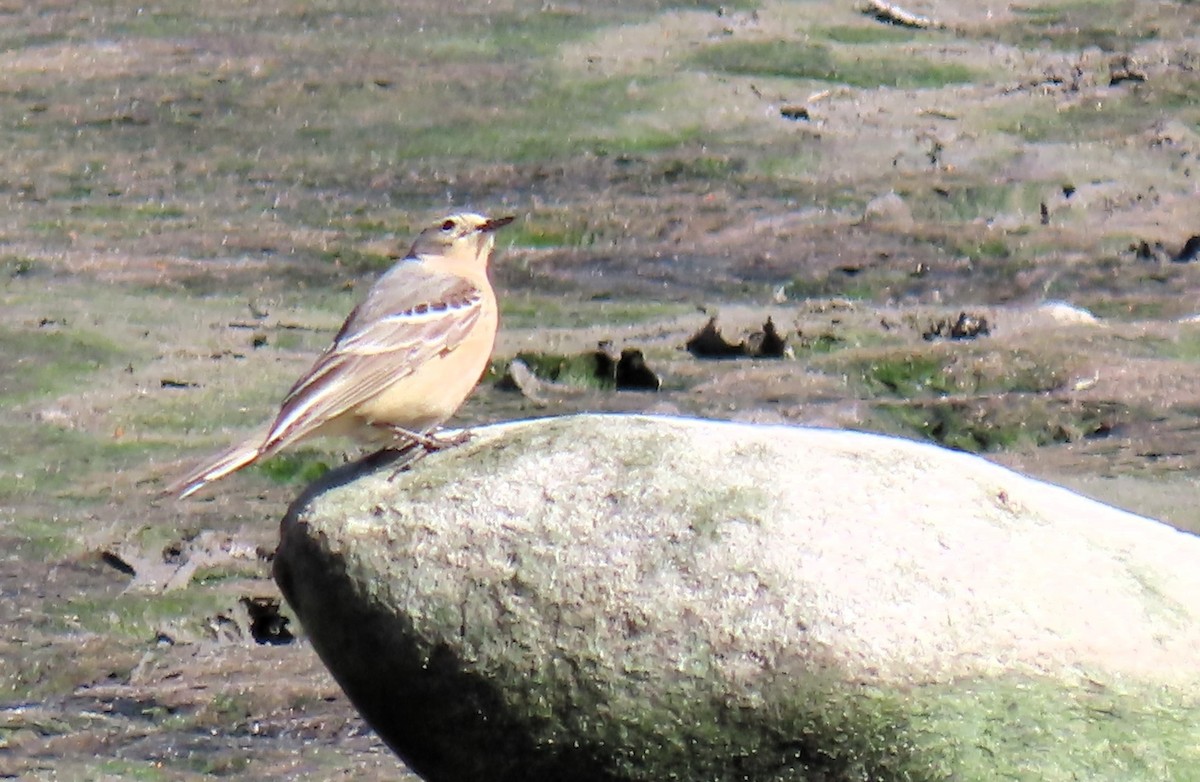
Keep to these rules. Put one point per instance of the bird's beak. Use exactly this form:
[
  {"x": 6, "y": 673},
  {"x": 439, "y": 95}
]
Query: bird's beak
[{"x": 499, "y": 222}]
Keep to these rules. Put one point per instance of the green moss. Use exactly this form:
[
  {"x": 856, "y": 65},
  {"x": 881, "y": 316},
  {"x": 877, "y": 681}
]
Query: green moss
[
  {"x": 798, "y": 60},
  {"x": 298, "y": 465},
  {"x": 708, "y": 508},
  {"x": 976, "y": 729},
  {"x": 972, "y": 729},
  {"x": 1026, "y": 728},
  {"x": 810, "y": 731}
]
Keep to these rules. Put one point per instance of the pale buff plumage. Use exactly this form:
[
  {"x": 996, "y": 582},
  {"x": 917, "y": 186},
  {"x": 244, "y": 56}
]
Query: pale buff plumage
[{"x": 404, "y": 361}]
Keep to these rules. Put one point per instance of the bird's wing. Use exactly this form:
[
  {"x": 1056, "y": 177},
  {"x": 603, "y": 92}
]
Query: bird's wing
[{"x": 410, "y": 316}]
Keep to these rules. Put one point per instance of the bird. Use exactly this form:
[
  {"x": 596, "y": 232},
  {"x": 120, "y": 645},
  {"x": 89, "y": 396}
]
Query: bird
[{"x": 407, "y": 357}]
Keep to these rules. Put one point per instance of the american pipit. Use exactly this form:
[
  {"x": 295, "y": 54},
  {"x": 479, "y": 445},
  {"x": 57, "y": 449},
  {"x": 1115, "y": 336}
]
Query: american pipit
[{"x": 403, "y": 362}]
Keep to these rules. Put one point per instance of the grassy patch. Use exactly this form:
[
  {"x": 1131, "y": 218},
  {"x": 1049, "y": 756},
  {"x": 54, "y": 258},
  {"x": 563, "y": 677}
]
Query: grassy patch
[
  {"x": 13, "y": 266},
  {"x": 549, "y": 229},
  {"x": 866, "y": 33},
  {"x": 354, "y": 260},
  {"x": 58, "y": 669},
  {"x": 135, "y": 770},
  {"x": 941, "y": 371},
  {"x": 531, "y": 311},
  {"x": 209, "y": 412},
  {"x": 34, "y": 534},
  {"x": 786, "y": 168},
  {"x": 909, "y": 376},
  {"x": 504, "y": 36},
  {"x": 536, "y": 119},
  {"x": 1120, "y": 114},
  {"x": 578, "y": 370},
  {"x": 835, "y": 284},
  {"x": 45, "y": 461},
  {"x": 989, "y": 248},
  {"x": 1182, "y": 344},
  {"x": 687, "y": 159},
  {"x": 136, "y": 617},
  {"x": 982, "y": 425},
  {"x": 826, "y": 342},
  {"x": 962, "y": 202},
  {"x": 274, "y": 125},
  {"x": 1123, "y": 307},
  {"x": 698, "y": 168},
  {"x": 1110, "y": 25},
  {"x": 799, "y": 60},
  {"x": 49, "y": 359}
]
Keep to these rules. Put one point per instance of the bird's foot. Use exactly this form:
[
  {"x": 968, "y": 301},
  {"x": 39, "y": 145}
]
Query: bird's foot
[
  {"x": 449, "y": 440},
  {"x": 411, "y": 447},
  {"x": 402, "y": 458},
  {"x": 430, "y": 442}
]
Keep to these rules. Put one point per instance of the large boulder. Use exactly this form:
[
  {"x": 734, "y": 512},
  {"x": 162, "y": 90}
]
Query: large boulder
[{"x": 641, "y": 598}]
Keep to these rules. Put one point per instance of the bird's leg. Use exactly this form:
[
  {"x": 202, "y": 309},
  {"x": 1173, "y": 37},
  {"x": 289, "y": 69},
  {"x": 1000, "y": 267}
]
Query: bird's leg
[
  {"x": 429, "y": 441},
  {"x": 399, "y": 459},
  {"x": 402, "y": 459},
  {"x": 414, "y": 446}
]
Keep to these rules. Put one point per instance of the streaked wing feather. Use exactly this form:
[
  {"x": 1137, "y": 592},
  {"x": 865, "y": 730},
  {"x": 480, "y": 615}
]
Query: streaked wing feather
[{"x": 385, "y": 338}]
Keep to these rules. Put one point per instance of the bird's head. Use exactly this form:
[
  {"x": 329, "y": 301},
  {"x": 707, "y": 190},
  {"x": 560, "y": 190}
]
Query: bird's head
[{"x": 462, "y": 237}]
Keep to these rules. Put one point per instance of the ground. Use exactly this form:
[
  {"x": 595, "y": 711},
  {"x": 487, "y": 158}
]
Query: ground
[{"x": 195, "y": 193}]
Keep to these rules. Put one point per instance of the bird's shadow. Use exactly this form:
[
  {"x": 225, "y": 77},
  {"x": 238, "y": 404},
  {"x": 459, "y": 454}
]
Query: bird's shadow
[{"x": 398, "y": 459}]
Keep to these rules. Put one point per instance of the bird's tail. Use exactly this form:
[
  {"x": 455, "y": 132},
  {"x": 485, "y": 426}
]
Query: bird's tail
[{"x": 217, "y": 467}]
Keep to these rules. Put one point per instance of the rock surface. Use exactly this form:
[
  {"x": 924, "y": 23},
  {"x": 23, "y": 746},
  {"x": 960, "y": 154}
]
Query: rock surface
[{"x": 639, "y": 598}]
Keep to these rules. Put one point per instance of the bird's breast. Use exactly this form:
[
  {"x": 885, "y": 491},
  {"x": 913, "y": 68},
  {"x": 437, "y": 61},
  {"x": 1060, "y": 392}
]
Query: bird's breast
[{"x": 436, "y": 389}]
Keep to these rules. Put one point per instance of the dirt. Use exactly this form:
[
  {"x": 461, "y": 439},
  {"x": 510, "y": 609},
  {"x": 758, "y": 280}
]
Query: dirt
[{"x": 195, "y": 194}]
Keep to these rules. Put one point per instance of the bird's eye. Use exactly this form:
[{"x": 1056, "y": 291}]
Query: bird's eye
[{"x": 448, "y": 225}]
